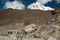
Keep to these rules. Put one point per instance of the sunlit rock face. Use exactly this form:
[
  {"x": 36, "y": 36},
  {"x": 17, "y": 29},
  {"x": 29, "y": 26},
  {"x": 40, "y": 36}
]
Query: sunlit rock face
[{"x": 30, "y": 28}]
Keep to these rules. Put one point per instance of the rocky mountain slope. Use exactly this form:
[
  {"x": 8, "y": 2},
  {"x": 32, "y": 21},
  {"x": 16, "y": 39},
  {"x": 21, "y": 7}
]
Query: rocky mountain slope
[{"x": 29, "y": 25}]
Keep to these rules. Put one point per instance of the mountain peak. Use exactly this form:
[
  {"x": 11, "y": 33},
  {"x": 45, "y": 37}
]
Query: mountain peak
[{"x": 39, "y": 5}]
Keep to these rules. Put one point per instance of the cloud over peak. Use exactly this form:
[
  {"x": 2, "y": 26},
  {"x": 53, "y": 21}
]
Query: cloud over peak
[{"x": 14, "y": 5}]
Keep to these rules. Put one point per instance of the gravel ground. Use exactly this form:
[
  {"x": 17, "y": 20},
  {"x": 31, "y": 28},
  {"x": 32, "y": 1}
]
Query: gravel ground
[{"x": 42, "y": 32}]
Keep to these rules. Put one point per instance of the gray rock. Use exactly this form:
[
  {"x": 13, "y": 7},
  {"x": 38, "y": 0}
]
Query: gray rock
[{"x": 51, "y": 38}]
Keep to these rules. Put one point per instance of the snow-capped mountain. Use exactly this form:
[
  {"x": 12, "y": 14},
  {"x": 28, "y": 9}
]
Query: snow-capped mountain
[{"x": 39, "y": 5}]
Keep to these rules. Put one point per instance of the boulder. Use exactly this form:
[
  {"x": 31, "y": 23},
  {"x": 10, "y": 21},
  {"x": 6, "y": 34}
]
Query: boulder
[
  {"x": 51, "y": 38},
  {"x": 30, "y": 28}
]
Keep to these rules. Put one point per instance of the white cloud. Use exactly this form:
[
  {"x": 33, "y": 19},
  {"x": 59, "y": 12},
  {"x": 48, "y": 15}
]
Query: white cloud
[
  {"x": 44, "y": 1},
  {"x": 14, "y": 5},
  {"x": 40, "y": 6},
  {"x": 58, "y": 1}
]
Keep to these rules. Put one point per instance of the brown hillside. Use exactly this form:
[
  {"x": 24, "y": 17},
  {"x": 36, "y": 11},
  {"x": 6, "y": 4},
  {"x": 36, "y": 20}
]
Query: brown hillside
[{"x": 39, "y": 17}]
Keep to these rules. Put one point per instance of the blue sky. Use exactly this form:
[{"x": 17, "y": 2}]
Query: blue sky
[
  {"x": 52, "y": 4},
  {"x": 27, "y": 2}
]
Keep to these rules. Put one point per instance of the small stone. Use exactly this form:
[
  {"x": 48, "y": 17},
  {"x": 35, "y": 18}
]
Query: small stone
[{"x": 51, "y": 38}]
